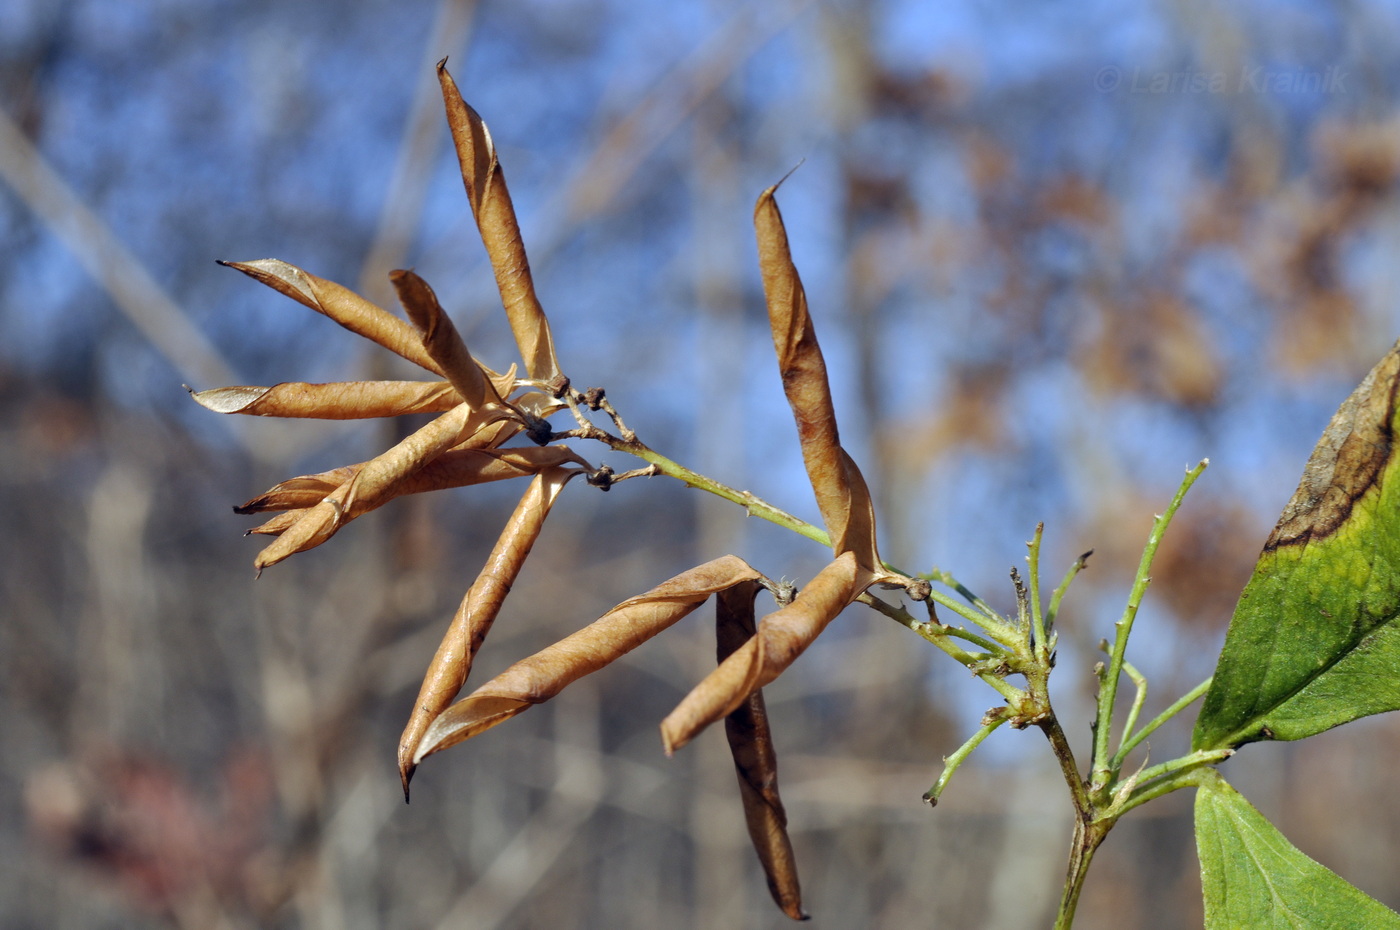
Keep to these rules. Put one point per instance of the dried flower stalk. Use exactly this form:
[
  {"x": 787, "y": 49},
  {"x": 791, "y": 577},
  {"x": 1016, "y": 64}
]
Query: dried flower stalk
[{"x": 480, "y": 409}]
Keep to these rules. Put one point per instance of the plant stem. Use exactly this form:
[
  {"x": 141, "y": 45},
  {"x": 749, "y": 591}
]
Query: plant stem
[
  {"x": 1053, "y": 610},
  {"x": 951, "y": 763},
  {"x": 756, "y": 506},
  {"x": 941, "y": 637},
  {"x": 1199, "y": 772},
  {"x": 1088, "y": 836},
  {"x": 1108, "y": 690},
  {"x": 1139, "y": 698},
  {"x": 1040, "y": 643},
  {"x": 1177, "y": 707},
  {"x": 1088, "y": 832},
  {"x": 942, "y": 577}
]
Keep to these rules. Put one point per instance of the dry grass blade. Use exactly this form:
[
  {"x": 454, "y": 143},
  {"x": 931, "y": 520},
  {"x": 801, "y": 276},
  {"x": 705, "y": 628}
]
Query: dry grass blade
[
  {"x": 342, "y": 400},
  {"x": 372, "y": 484},
  {"x": 546, "y": 673},
  {"x": 452, "y": 663},
  {"x": 841, "y": 494},
  {"x": 441, "y": 340},
  {"x": 500, "y": 232},
  {"x": 342, "y": 305},
  {"x": 755, "y": 760},
  {"x": 782, "y": 636}
]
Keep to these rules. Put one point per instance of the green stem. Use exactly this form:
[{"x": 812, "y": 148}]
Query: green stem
[
  {"x": 999, "y": 631},
  {"x": 1088, "y": 836},
  {"x": 1139, "y": 697},
  {"x": 942, "y": 577},
  {"x": 951, "y": 763},
  {"x": 1194, "y": 769},
  {"x": 1042, "y": 646},
  {"x": 1108, "y": 690},
  {"x": 1053, "y": 610},
  {"x": 756, "y": 506},
  {"x": 1088, "y": 833},
  {"x": 941, "y": 637},
  {"x": 1177, "y": 707}
]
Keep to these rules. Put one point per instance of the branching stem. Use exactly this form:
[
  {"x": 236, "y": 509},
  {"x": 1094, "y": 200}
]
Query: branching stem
[{"x": 1108, "y": 690}]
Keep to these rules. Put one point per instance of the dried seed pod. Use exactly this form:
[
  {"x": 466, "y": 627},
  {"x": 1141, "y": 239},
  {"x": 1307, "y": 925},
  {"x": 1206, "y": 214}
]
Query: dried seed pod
[
  {"x": 782, "y": 636},
  {"x": 841, "y": 493},
  {"x": 278, "y": 524},
  {"x": 455, "y": 468},
  {"x": 755, "y": 760},
  {"x": 372, "y": 484},
  {"x": 452, "y": 663},
  {"x": 344, "y": 400},
  {"x": 547, "y": 672},
  {"x": 500, "y": 232},
  {"x": 342, "y": 305},
  {"x": 441, "y": 340}
]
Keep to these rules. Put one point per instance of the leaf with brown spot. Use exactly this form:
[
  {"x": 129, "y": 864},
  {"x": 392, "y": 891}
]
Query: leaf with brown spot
[
  {"x": 1315, "y": 638},
  {"x": 547, "y": 672},
  {"x": 841, "y": 493},
  {"x": 755, "y": 760},
  {"x": 343, "y": 400},
  {"x": 455, "y": 468},
  {"x": 452, "y": 663},
  {"x": 500, "y": 232},
  {"x": 782, "y": 636}
]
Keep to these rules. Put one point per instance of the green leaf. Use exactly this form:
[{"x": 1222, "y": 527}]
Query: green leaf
[
  {"x": 1315, "y": 639},
  {"x": 1253, "y": 877}
]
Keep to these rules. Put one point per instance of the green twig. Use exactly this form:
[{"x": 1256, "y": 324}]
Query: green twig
[
  {"x": 1177, "y": 707},
  {"x": 1139, "y": 696},
  {"x": 982, "y": 665},
  {"x": 1041, "y": 644},
  {"x": 1163, "y": 779},
  {"x": 1108, "y": 689},
  {"x": 1053, "y": 610},
  {"x": 993, "y": 719},
  {"x": 995, "y": 626},
  {"x": 942, "y": 577}
]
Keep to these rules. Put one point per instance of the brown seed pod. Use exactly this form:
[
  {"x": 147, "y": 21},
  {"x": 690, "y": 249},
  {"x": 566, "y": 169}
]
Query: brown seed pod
[
  {"x": 372, "y": 484},
  {"x": 841, "y": 492},
  {"x": 543, "y": 675},
  {"x": 755, "y": 760},
  {"x": 342, "y": 305},
  {"x": 343, "y": 400},
  {"x": 782, "y": 636},
  {"x": 452, "y": 663},
  {"x": 500, "y": 232}
]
